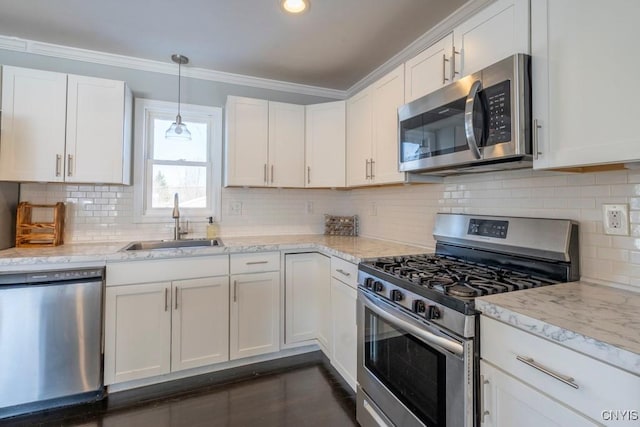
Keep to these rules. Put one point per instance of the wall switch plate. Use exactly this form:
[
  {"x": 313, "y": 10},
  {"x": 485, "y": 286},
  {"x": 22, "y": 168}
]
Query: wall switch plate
[
  {"x": 615, "y": 219},
  {"x": 373, "y": 209},
  {"x": 235, "y": 208},
  {"x": 309, "y": 207}
]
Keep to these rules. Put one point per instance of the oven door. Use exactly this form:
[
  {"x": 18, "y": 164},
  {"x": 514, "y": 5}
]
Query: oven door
[{"x": 410, "y": 372}]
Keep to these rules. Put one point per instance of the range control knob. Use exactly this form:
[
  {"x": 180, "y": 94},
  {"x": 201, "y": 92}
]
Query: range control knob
[
  {"x": 378, "y": 286},
  {"x": 419, "y": 306},
  {"x": 433, "y": 312},
  {"x": 396, "y": 295},
  {"x": 368, "y": 282}
]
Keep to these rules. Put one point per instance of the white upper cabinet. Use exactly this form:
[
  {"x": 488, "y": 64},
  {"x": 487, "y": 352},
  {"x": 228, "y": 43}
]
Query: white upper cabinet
[
  {"x": 264, "y": 143},
  {"x": 494, "y": 33},
  {"x": 98, "y": 121},
  {"x": 429, "y": 70},
  {"x": 247, "y": 136},
  {"x": 359, "y": 138},
  {"x": 584, "y": 84},
  {"x": 59, "y": 128},
  {"x": 372, "y": 132},
  {"x": 325, "y": 144}
]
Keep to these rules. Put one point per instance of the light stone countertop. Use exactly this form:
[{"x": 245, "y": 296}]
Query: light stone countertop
[
  {"x": 600, "y": 321},
  {"x": 352, "y": 249}
]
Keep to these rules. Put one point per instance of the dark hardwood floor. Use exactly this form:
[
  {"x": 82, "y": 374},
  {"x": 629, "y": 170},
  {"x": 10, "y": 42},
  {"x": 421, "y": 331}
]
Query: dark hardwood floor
[{"x": 297, "y": 391}]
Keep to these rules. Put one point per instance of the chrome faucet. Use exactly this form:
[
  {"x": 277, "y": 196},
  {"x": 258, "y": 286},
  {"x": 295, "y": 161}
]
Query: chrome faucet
[{"x": 176, "y": 216}]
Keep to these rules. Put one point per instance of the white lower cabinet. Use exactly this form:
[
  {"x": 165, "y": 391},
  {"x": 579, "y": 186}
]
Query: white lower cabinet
[
  {"x": 164, "y": 316},
  {"x": 531, "y": 381},
  {"x": 508, "y": 402},
  {"x": 156, "y": 328},
  {"x": 343, "y": 314},
  {"x": 255, "y": 314},
  {"x": 306, "y": 304}
]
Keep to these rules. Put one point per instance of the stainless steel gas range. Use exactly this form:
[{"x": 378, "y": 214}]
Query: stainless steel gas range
[{"x": 418, "y": 354}]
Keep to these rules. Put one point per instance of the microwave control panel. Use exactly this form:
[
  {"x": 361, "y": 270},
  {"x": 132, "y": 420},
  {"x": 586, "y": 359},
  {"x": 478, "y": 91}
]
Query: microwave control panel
[{"x": 498, "y": 101}]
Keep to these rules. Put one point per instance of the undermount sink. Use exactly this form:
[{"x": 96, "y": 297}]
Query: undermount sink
[{"x": 151, "y": 245}]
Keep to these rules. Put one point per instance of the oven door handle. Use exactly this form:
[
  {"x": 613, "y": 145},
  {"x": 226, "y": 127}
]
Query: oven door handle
[{"x": 424, "y": 335}]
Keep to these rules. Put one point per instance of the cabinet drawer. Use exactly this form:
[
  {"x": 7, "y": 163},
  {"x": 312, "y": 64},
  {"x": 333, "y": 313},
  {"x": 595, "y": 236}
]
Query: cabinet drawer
[
  {"x": 255, "y": 262},
  {"x": 344, "y": 271},
  {"x": 599, "y": 386},
  {"x": 160, "y": 270}
]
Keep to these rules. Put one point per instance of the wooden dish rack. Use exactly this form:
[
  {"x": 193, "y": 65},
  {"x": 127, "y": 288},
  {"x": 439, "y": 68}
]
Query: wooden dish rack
[{"x": 30, "y": 234}]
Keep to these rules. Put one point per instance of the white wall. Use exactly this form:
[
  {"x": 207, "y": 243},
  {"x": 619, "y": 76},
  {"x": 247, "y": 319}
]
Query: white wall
[
  {"x": 406, "y": 214},
  {"x": 399, "y": 213}
]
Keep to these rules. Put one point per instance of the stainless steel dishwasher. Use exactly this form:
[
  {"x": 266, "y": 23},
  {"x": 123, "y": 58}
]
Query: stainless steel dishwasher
[{"x": 50, "y": 339}]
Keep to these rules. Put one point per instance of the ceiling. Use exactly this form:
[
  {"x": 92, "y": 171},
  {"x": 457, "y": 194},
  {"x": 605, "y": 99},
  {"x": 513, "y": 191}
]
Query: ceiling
[{"x": 334, "y": 45}]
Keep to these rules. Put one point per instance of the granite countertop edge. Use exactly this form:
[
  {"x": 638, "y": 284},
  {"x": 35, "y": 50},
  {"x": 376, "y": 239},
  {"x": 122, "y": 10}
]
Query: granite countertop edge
[{"x": 597, "y": 344}]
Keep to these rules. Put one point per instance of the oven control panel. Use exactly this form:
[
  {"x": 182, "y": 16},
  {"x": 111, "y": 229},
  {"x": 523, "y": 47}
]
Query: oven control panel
[{"x": 488, "y": 228}]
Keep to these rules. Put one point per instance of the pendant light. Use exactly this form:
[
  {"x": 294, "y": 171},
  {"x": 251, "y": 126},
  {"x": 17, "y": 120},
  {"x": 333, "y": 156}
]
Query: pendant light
[{"x": 178, "y": 130}]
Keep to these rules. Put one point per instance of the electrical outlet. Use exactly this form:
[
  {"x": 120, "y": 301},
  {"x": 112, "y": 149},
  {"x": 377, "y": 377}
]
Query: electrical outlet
[
  {"x": 309, "y": 207},
  {"x": 615, "y": 219},
  {"x": 235, "y": 208},
  {"x": 373, "y": 209}
]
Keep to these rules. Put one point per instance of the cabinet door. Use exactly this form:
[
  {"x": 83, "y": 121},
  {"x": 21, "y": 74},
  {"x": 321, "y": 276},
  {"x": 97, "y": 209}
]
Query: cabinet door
[
  {"x": 359, "y": 138},
  {"x": 325, "y": 144},
  {"x": 200, "y": 322},
  {"x": 247, "y": 130},
  {"x": 286, "y": 145},
  {"x": 137, "y": 332},
  {"x": 343, "y": 309},
  {"x": 584, "y": 100},
  {"x": 494, "y": 33},
  {"x": 388, "y": 95},
  {"x": 305, "y": 275},
  {"x": 255, "y": 314},
  {"x": 325, "y": 324},
  {"x": 429, "y": 70},
  {"x": 507, "y": 401},
  {"x": 97, "y": 144},
  {"x": 33, "y": 125}
]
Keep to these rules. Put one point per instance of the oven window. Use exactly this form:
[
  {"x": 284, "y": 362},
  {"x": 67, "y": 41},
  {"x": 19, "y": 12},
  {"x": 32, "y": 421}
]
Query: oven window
[
  {"x": 434, "y": 133},
  {"x": 409, "y": 368}
]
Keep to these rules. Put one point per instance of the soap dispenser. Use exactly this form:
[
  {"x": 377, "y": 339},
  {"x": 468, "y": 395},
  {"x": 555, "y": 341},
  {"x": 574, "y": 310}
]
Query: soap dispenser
[{"x": 212, "y": 228}]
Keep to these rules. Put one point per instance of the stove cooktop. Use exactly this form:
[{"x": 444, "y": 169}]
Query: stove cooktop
[{"x": 453, "y": 277}]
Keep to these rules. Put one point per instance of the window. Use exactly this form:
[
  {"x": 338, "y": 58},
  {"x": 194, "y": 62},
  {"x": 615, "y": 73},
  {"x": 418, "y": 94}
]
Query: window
[{"x": 165, "y": 167}]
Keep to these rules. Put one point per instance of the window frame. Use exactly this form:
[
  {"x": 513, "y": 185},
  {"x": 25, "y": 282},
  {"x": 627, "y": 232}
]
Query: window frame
[{"x": 146, "y": 109}]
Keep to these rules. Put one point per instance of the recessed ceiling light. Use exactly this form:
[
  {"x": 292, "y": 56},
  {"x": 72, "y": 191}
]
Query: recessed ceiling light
[{"x": 294, "y": 6}]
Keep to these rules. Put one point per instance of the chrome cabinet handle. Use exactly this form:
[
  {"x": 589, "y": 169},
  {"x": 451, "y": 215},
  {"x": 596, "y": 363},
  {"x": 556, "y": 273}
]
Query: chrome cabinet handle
[
  {"x": 344, "y": 273},
  {"x": 264, "y": 172},
  {"x": 235, "y": 290},
  {"x": 536, "y": 136},
  {"x": 58, "y": 164},
  {"x": 166, "y": 299},
  {"x": 272, "y": 174},
  {"x": 176, "y": 304},
  {"x": 366, "y": 169},
  {"x": 256, "y": 262},
  {"x": 562, "y": 378},
  {"x": 468, "y": 119},
  {"x": 483, "y": 411},
  {"x": 371, "y": 174},
  {"x": 308, "y": 174},
  {"x": 69, "y": 165},
  {"x": 454, "y": 52},
  {"x": 444, "y": 68}
]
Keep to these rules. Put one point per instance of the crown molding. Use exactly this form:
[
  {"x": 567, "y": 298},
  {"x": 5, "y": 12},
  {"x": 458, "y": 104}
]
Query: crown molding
[
  {"x": 103, "y": 58},
  {"x": 432, "y": 36}
]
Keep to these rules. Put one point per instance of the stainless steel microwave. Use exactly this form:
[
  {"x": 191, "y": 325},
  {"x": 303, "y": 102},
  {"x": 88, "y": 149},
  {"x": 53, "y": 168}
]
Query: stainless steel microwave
[{"x": 479, "y": 123}]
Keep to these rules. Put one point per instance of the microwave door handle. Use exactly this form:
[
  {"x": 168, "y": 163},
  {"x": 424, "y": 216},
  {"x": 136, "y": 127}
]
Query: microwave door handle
[{"x": 468, "y": 119}]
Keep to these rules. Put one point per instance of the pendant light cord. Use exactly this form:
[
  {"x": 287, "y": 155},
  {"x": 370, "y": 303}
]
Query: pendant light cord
[{"x": 179, "y": 80}]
